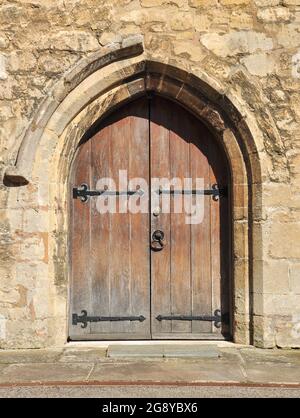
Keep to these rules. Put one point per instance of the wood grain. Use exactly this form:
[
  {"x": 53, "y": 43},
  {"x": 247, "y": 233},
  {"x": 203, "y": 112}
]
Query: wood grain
[{"x": 113, "y": 270}]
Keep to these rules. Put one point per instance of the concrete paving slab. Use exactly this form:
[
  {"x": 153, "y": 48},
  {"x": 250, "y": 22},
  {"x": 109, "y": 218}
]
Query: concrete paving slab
[
  {"x": 159, "y": 351},
  {"x": 274, "y": 355},
  {"x": 194, "y": 351},
  {"x": 272, "y": 372},
  {"x": 83, "y": 355},
  {"x": 30, "y": 356},
  {"x": 127, "y": 351},
  {"x": 168, "y": 370},
  {"x": 230, "y": 354},
  {"x": 45, "y": 372}
]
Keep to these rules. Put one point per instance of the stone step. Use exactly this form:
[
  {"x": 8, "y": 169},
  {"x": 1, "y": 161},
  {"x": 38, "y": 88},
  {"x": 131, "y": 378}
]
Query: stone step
[{"x": 166, "y": 351}]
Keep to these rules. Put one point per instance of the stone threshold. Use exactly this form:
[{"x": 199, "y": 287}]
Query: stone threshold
[
  {"x": 157, "y": 349},
  {"x": 105, "y": 344}
]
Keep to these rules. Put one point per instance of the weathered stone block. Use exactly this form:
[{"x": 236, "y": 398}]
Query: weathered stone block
[
  {"x": 285, "y": 240},
  {"x": 238, "y": 42},
  {"x": 266, "y": 3},
  {"x": 234, "y": 2},
  {"x": 181, "y": 22},
  {"x": 288, "y": 332},
  {"x": 72, "y": 41},
  {"x": 3, "y": 73},
  {"x": 294, "y": 271},
  {"x": 260, "y": 64},
  {"x": 274, "y": 14},
  {"x": 203, "y": 3}
]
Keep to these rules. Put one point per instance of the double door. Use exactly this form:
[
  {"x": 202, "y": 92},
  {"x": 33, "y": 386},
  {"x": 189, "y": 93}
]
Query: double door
[{"x": 149, "y": 228}]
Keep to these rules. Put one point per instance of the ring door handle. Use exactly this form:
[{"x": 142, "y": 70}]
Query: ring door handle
[{"x": 158, "y": 243}]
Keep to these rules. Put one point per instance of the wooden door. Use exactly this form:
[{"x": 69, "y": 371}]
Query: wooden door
[
  {"x": 189, "y": 276},
  {"x": 123, "y": 284},
  {"x": 110, "y": 251}
]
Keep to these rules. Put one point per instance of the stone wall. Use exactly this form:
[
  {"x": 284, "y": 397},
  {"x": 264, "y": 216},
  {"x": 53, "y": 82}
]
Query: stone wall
[{"x": 250, "y": 52}]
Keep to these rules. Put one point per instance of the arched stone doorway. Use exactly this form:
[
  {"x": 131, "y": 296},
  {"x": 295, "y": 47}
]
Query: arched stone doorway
[
  {"x": 164, "y": 173},
  {"x": 99, "y": 85}
]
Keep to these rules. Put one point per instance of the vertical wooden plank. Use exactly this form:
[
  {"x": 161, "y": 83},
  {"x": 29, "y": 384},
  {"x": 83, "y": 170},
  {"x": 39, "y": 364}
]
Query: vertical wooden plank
[
  {"x": 160, "y": 261},
  {"x": 139, "y": 222},
  {"x": 100, "y": 232},
  {"x": 180, "y": 230},
  {"x": 119, "y": 232},
  {"x": 219, "y": 235},
  {"x": 80, "y": 241},
  {"x": 201, "y": 233}
]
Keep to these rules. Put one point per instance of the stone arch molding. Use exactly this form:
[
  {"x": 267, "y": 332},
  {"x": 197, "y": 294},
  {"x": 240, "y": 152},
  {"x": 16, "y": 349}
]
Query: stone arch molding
[
  {"x": 100, "y": 84},
  {"x": 102, "y": 71}
]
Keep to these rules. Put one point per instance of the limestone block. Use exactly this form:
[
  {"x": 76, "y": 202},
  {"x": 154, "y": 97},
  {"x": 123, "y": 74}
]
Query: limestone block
[
  {"x": 234, "y": 2},
  {"x": 275, "y": 196},
  {"x": 201, "y": 23},
  {"x": 25, "y": 333},
  {"x": 295, "y": 162},
  {"x": 137, "y": 17},
  {"x": 21, "y": 61},
  {"x": 152, "y": 3},
  {"x": 240, "y": 240},
  {"x": 3, "y": 72},
  {"x": 11, "y": 13},
  {"x": 110, "y": 37},
  {"x": 288, "y": 235},
  {"x": 241, "y": 21},
  {"x": 32, "y": 248},
  {"x": 259, "y": 64},
  {"x": 35, "y": 220},
  {"x": 73, "y": 41},
  {"x": 285, "y": 305},
  {"x": 274, "y": 14},
  {"x": 237, "y": 42},
  {"x": 288, "y": 332},
  {"x": 3, "y": 41},
  {"x": 294, "y": 271},
  {"x": 296, "y": 65},
  {"x": 186, "y": 49},
  {"x": 288, "y": 35},
  {"x": 54, "y": 63},
  {"x": 31, "y": 274},
  {"x": 9, "y": 296},
  {"x": 156, "y": 3},
  {"x": 132, "y": 40},
  {"x": 181, "y": 22},
  {"x": 40, "y": 301},
  {"x": 263, "y": 335},
  {"x": 266, "y": 3},
  {"x": 203, "y": 3},
  {"x": 271, "y": 276},
  {"x": 291, "y": 2}
]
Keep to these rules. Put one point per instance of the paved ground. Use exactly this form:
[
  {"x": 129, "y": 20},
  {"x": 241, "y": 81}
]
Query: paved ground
[
  {"x": 138, "y": 371},
  {"x": 147, "y": 392}
]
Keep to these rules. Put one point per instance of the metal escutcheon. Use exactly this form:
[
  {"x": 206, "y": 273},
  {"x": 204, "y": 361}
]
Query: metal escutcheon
[{"x": 158, "y": 243}]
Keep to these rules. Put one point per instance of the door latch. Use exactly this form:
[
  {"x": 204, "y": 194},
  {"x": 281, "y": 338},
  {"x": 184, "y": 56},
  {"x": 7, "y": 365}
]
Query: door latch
[{"x": 158, "y": 242}]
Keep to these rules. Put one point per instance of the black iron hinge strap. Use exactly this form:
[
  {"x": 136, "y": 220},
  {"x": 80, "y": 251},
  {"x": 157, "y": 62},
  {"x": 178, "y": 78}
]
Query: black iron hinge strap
[
  {"x": 85, "y": 318},
  {"x": 217, "y": 318},
  {"x": 83, "y": 192},
  {"x": 214, "y": 191}
]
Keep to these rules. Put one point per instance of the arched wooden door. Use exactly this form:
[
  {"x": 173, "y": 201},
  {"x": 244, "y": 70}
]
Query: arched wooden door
[{"x": 127, "y": 281}]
